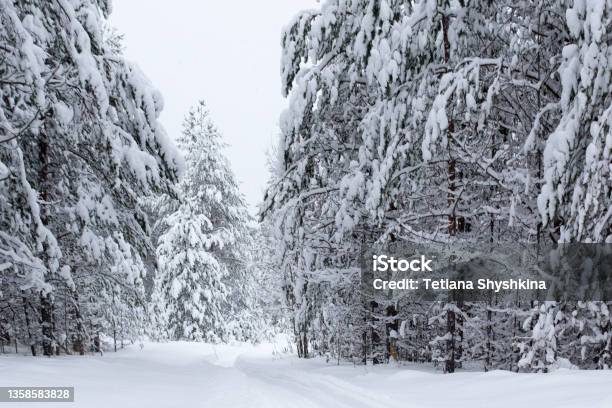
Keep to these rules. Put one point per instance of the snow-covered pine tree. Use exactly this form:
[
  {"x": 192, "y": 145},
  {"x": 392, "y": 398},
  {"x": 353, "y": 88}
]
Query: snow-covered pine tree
[
  {"x": 574, "y": 155},
  {"x": 575, "y": 198},
  {"x": 201, "y": 251},
  {"x": 80, "y": 145},
  {"x": 389, "y": 54}
]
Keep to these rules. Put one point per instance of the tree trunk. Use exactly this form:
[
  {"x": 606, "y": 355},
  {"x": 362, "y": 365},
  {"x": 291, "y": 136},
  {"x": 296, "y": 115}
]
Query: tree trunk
[
  {"x": 114, "y": 336},
  {"x": 46, "y": 316},
  {"x": 97, "y": 347},
  {"x": 29, "y": 331},
  {"x": 78, "y": 337},
  {"x": 305, "y": 345},
  {"x": 15, "y": 331},
  {"x": 46, "y": 301},
  {"x": 459, "y": 339},
  {"x": 487, "y": 362},
  {"x": 449, "y": 366}
]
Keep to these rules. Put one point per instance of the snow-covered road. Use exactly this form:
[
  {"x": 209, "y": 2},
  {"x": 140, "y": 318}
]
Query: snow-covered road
[{"x": 191, "y": 375}]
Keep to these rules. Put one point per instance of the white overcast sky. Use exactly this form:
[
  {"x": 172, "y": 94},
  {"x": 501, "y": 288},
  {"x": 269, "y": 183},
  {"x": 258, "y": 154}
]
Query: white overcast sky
[{"x": 225, "y": 52}]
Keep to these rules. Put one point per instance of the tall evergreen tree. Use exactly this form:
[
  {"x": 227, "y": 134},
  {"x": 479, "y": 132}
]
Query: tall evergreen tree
[
  {"x": 200, "y": 253},
  {"x": 80, "y": 145}
]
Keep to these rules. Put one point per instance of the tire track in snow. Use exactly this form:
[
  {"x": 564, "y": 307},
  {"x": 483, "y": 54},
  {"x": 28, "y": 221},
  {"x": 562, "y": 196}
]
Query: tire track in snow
[{"x": 321, "y": 390}]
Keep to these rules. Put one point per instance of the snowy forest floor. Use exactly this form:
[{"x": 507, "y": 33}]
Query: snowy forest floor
[{"x": 191, "y": 375}]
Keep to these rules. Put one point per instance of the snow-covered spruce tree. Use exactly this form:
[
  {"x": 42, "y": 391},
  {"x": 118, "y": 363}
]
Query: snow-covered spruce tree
[
  {"x": 540, "y": 352},
  {"x": 81, "y": 144},
  {"x": 201, "y": 251}
]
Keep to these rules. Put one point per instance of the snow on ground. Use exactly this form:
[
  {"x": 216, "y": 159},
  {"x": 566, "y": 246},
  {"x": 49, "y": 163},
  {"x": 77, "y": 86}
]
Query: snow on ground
[{"x": 192, "y": 375}]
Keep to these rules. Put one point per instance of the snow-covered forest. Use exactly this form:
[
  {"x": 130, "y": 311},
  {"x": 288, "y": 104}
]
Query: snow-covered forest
[
  {"x": 109, "y": 233},
  {"x": 450, "y": 122}
]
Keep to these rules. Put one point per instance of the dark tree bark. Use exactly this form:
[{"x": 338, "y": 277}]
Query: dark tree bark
[
  {"x": 46, "y": 316},
  {"x": 46, "y": 300},
  {"x": 28, "y": 329},
  {"x": 449, "y": 364},
  {"x": 78, "y": 337}
]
